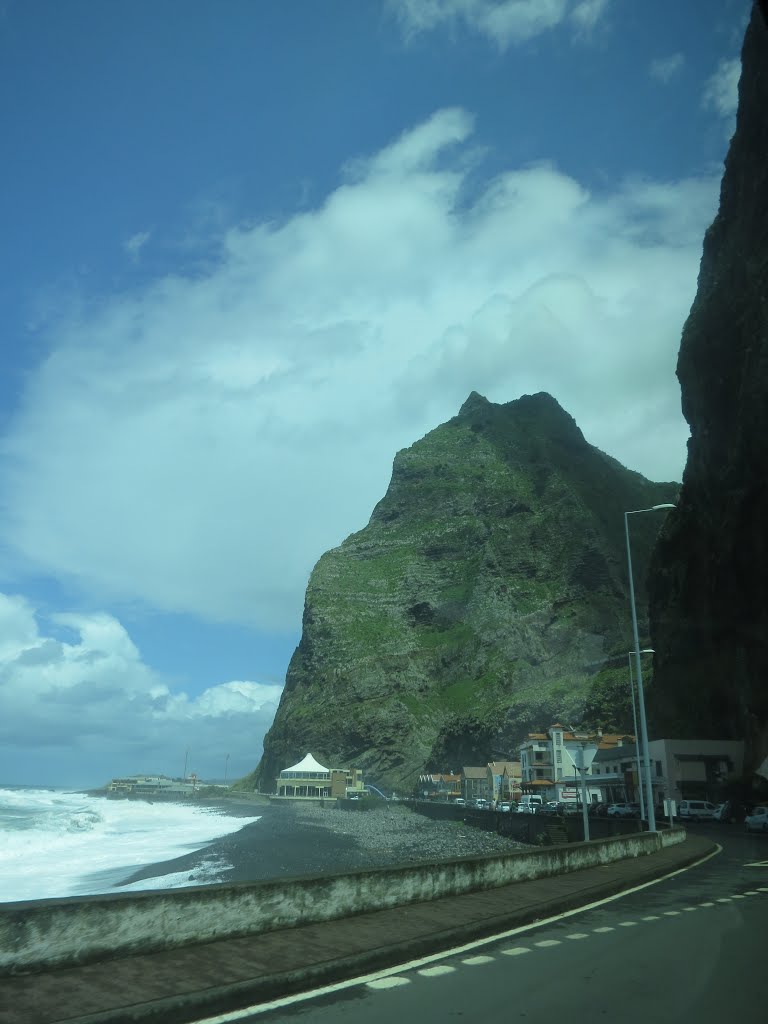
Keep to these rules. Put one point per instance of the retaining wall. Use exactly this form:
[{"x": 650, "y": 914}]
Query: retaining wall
[
  {"x": 527, "y": 828},
  {"x": 41, "y": 934}
]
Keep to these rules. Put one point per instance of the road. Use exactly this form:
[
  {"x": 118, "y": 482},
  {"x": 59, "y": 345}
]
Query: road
[{"x": 689, "y": 948}]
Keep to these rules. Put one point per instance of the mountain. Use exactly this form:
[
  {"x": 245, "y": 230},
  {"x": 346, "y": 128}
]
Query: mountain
[
  {"x": 487, "y": 595},
  {"x": 709, "y": 591}
]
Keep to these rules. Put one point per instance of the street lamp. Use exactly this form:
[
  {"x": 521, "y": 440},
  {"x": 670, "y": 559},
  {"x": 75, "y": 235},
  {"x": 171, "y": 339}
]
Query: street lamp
[
  {"x": 638, "y": 667},
  {"x": 647, "y": 650}
]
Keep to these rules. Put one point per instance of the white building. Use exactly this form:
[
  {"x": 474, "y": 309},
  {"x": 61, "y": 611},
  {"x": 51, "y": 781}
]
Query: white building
[
  {"x": 310, "y": 780},
  {"x": 680, "y": 769},
  {"x": 549, "y": 762}
]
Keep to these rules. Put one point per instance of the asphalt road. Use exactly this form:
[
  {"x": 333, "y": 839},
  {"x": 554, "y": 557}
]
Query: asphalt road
[{"x": 689, "y": 948}]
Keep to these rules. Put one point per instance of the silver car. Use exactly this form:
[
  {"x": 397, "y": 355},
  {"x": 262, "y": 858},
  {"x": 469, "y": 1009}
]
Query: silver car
[{"x": 757, "y": 821}]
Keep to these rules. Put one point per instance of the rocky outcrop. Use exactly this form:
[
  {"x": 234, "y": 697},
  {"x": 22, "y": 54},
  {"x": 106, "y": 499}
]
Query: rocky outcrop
[
  {"x": 709, "y": 579},
  {"x": 486, "y": 595}
]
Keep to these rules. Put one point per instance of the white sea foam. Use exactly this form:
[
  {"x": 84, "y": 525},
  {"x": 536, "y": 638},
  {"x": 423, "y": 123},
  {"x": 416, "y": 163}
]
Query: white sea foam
[{"x": 57, "y": 844}]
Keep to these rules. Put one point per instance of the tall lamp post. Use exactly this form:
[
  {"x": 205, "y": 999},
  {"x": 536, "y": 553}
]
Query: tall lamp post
[
  {"x": 584, "y": 808},
  {"x": 647, "y": 650},
  {"x": 638, "y": 666}
]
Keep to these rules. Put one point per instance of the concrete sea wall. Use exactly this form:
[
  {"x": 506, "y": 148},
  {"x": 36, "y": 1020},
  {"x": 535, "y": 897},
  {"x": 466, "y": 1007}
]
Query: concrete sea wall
[{"x": 41, "y": 934}]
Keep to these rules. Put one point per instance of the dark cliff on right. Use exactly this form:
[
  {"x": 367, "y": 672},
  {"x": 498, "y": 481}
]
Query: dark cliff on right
[{"x": 708, "y": 580}]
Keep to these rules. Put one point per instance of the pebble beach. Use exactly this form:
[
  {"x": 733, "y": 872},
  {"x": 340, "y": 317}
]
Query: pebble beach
[{"x": 306, "y": 839}]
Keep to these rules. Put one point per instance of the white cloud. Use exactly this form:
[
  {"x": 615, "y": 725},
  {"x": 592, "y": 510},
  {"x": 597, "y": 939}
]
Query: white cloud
[
  {"x": 721, "y": 92},
  {"x": 197, "y": 444},
  {"x": 664, "y": 69},
  {"x": 94, "y": 702},
  {"x": 503, "y": 21},
  {"x": 136, "y": 243},
  {"x": 588, "y": 13}
]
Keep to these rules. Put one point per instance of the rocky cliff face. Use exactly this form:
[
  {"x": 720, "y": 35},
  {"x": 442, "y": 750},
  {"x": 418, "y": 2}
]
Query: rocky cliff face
[
  {"x": 487, "y": 595},
  {"x": 709, "y": 590}
]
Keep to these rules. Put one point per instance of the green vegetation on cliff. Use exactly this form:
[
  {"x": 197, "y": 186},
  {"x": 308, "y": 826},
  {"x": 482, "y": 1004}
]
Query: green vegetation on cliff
[{"x": 486, "y": 596}]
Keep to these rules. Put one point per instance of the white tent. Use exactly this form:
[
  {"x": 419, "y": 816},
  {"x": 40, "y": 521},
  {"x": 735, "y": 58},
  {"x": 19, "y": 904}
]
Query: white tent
[{"x": 307, "y": 764}]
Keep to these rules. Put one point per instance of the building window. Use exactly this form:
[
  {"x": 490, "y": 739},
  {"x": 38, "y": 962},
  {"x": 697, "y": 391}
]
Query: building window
[
  {"x": 539, "y": 773},
  {"x": 559, "y": 756},
  {"x": 658, "y": 769}
]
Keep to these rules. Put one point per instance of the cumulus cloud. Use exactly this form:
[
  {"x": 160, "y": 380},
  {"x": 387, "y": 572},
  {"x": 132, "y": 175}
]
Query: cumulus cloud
[
  {"x": 99, "y": 710},
  {"x": 198, "y": 443},
  {"x": 721, "y": 91},
  {"x": 664, "y": 69}
]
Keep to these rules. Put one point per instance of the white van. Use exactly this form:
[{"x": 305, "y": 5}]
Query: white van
[
  {"x": 530, "y": 804},
  {"x": 696, "y": 810}
]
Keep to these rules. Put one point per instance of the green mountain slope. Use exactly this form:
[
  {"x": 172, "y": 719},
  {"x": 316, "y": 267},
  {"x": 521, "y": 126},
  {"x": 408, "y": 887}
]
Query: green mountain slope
[{"x": 486, "y": 596}]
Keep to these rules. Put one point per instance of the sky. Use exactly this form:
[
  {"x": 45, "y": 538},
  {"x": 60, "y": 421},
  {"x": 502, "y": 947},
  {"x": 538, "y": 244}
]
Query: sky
[{"x": 250, "y": 251}]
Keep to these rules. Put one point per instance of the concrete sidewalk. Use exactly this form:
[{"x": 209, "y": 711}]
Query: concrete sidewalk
[{"x": 181, "y": 985}]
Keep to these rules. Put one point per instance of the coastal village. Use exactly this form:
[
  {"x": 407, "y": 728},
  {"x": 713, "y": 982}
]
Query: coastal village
[{"x": 556, "y": 768}]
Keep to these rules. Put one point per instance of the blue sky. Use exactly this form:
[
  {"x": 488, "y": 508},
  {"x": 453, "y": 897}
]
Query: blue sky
[{"x": 253, "y": 249}]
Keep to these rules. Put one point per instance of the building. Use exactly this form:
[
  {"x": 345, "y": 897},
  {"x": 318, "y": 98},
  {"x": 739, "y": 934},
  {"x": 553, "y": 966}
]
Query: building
[
  {"x": 310, "y": 780},
  {"x": 504, "y": 778},
  {"x": 441, "y": 786},
  {"x": 474, "y": 783},
  {"x": 550, "y": 760},
  {"x": 153, "y": 785},
  {"x": 680, "y": 769}
]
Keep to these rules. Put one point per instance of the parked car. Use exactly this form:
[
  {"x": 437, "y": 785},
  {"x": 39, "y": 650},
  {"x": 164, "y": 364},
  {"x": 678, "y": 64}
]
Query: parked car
[
  {"x": 460, "y": 801},
  {"x": 529, "y": 804},
  {"x": 505, "y": 808},
  {"x": 481, "y": 804},
  {"x": 696, "y": 810},
  {"x": 725, "y": 812},
  {"x": 757, "y": 821},
  {"x": 553, "y": 807},
  {"x": 625, "y": 810}
]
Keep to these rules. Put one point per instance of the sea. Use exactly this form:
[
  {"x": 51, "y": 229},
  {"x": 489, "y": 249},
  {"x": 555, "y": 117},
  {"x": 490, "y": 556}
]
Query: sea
[{"x": 56, "y": 843}]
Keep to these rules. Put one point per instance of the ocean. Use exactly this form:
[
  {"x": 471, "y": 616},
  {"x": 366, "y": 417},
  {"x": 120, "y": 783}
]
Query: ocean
[{"x": 56, "y": 843}]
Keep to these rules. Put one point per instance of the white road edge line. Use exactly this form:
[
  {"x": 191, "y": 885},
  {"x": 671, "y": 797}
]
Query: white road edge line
[{"x": 340, "y": 986}]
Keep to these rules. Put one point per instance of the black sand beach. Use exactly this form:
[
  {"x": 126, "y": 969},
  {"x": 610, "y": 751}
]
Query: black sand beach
[{"x": 291, "y": 840}]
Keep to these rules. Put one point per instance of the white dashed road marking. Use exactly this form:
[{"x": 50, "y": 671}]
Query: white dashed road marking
[
  {"x": 392, "y": 982},
  {"x": 547, "y": 942},
  {"x": 708, "y": 904},
  {"x": 605, "y": 928},
  {"x": 651, "y": 917},
  {"x": 577, "y": 935},
  {"x": 689, "y": 909},
  {"x": 516, "y": 951},
  {"x": 436, "y": 971},
  {"x": 671, "y": 913},
  {"x": 627, "y": 924},
  {"x": 474, "y": 960},
  {"x": 723, "y": 899}
]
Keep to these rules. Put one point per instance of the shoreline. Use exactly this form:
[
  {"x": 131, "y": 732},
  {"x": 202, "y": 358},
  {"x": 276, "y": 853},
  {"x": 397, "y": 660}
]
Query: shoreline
[{"x": 293, "y": 841}]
